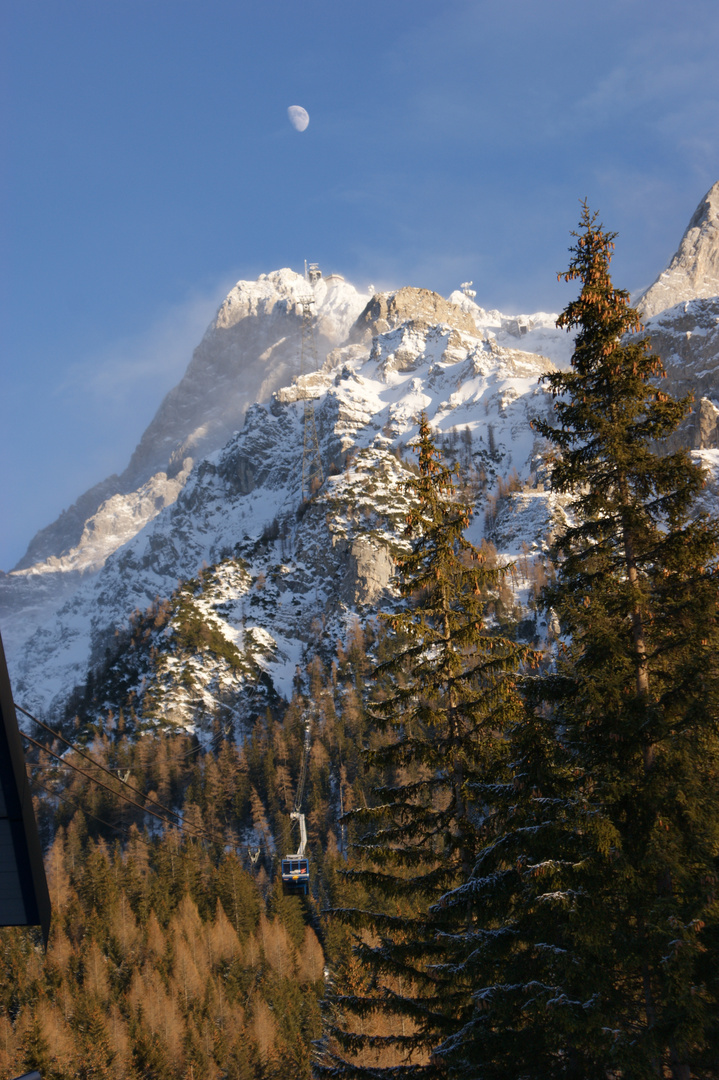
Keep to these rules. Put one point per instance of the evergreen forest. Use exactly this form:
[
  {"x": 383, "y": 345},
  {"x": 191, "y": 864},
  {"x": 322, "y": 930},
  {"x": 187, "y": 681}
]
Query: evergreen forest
[{"x": 514, "y": 842}]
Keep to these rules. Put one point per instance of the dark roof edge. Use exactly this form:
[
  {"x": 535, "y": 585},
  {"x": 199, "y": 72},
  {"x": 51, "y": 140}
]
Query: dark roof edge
[{"x": 21, "y": 814}]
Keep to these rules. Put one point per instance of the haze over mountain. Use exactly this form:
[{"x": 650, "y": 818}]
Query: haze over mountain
[{"x": 249, "y": 349}]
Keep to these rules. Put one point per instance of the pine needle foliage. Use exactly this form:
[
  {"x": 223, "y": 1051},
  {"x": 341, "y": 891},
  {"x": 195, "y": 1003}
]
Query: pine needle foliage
[
  {"x": 605, "y": 961},
  {"x": 446, "y": 694}
]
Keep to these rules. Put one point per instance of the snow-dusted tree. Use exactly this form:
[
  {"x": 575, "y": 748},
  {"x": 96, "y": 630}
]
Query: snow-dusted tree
[
  {"x": 603, "y": 956},
  {"x": 447, "y": 692}
]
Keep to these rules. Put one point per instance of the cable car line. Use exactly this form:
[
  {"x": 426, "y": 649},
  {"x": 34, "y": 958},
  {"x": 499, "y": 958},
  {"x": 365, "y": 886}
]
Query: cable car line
[
  {"x": 97, "y": 764},
  {"x": 99, "y": 783},
  {"x": 194, "y": 833},
  {"x": 73, "y": 802}
]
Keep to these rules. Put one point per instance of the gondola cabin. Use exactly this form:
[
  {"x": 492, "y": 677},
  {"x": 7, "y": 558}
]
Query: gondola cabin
[
  {"x": 296, "y": 875},
  {"x": 296, "y": 868}
]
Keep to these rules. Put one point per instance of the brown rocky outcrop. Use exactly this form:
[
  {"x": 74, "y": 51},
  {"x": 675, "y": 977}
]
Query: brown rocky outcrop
[{"x": 418, "y": 307}]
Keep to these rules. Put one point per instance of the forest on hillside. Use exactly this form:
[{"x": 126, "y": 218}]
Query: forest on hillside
[
  {"x": 173, "y": 951},
  {"x": 514, "y": 844}
]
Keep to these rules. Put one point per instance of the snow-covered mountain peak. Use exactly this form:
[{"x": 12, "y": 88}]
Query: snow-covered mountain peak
[
  {"x": 281, "y": 292},
  {"x": 251, "y": 348},
  {"x": 337, "y": 549},
  {"x": 693, "y": 271},
  {"x": 218, "y": 476},
  {"x": 538, "y": 333},
  {"x": 480, "y": 316}
]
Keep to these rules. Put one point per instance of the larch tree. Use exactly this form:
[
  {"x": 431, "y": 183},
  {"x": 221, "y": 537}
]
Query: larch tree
[
  {"x": 603, "y": 960},
  {"x": 446, "y": 693}
]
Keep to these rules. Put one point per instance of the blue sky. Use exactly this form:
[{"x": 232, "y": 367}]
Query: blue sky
[{"x": 149, "y": 164}]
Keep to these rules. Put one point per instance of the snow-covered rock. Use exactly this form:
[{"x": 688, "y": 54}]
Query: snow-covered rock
[
  {"x": 419, "y": 307},
  {"x": 686, "y": 337},
  {"x": 538, "y": 333},
  {"x": 252, "y": 347}
]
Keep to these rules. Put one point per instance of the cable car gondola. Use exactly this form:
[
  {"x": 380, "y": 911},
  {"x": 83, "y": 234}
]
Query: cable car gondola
[{"x": 296, "y": 868}]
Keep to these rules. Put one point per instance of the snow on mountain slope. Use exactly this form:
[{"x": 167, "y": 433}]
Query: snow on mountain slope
[
  {"x": 132, "y": 537},
  {"x": 537, "y": 333},
  {"x": 251, "y": 348},
  {"x": 30, "y": 597},
  {"x": 307, "y": 567},
  {"x": 118, "y": 519},
  {"x": 682, "y": 312}
]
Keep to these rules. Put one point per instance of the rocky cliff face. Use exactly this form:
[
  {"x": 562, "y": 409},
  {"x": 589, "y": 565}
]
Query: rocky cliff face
[
  {"x": 417, "y": 307},
  {"x": 693, "y": 272},
  {"x": 682, "y": 313},
  {"x": 249, "y": 351},
  {"x": 687, "y": 339}
]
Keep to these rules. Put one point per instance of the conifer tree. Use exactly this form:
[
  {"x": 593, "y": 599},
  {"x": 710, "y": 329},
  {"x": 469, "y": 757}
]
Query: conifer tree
[
  {"x": 602, "y": 956},
  {"x": 447, "y": 693},
  {"x": 36, "y": 1051}
]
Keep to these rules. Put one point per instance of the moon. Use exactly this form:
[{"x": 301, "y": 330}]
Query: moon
[{"x": 298, "y": 117}]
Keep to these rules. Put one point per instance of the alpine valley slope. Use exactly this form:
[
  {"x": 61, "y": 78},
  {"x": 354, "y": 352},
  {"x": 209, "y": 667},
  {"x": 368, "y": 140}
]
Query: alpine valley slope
[{"x": 215, "y": 504}]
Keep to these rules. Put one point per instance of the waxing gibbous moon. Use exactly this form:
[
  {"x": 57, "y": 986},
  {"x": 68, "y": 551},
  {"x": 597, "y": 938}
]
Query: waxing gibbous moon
[{"x": 299, "y": 117}]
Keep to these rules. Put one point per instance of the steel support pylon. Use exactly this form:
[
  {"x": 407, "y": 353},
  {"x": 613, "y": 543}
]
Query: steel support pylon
[{"x": 312, "y": 472}]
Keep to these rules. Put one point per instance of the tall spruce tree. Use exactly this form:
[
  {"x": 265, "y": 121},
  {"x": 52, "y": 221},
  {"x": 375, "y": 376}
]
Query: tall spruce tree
[
  {"x": 601, "y": 955},
  {"x": 446, "y": 694}
]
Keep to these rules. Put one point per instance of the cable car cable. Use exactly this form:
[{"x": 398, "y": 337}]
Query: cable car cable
[
  {"x": 81, "y": 753},
  {"x": 71, "y": 802},
  {"x": 94, "y": 780},
  {"x": 195, "y": 834}
]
